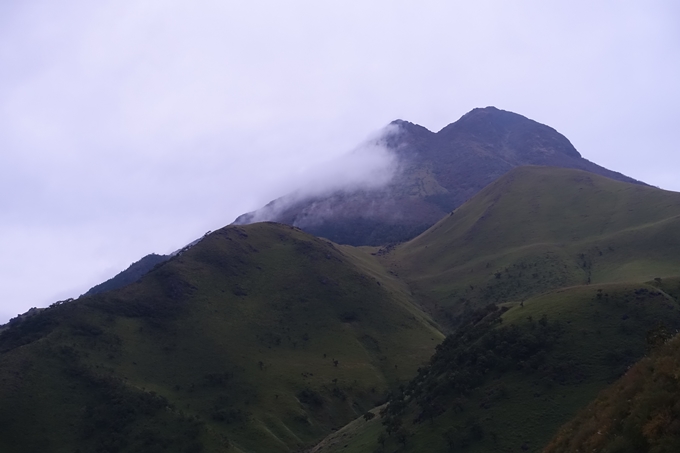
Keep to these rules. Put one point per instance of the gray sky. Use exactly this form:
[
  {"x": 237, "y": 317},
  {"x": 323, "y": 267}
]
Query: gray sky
[{"x": 131, "y": 127}]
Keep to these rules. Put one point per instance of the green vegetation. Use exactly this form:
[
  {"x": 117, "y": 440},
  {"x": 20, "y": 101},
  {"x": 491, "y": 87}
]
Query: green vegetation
[
  {"x": 551, "y": 283},
  {"x": 579, "y": 264},
  {"x": 639, "y": 413},
  {"x": 537, "y": 229},
  {"x": 262, "y": 338},
  {"x": 507, "y": 380}
]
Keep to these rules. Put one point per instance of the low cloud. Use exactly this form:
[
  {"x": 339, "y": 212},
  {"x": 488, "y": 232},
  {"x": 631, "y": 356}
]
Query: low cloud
[{"x": 371, "y": 166}]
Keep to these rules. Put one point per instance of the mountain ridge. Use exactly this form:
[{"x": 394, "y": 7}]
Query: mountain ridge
[
  {"x": 487, "y": 243},
  {"x": 437, "y": 173}
]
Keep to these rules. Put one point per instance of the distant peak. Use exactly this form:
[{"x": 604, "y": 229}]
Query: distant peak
[
  {"x": 408, "y": 126},
  {"x": 493, "y": 113},
  {"x": 489, "y": 108},
  {"x": 506, "y": 129}
]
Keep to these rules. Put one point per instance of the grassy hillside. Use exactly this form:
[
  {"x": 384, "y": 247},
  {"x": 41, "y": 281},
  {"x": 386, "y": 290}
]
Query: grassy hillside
[
  {"x": 549, "y": 281},
  {"x": 258, "y": 338},
  {"x": 537, "y": 229},
  {"x": 508, "y": 380},
  {"x": 640, "y": 412}
]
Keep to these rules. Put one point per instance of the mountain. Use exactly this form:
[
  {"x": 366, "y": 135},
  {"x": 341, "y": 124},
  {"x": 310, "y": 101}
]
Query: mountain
[
  {"x": 437, "y": 172},
  {"x": 548, "y": 282},
  {"x": 536, "y": 229},
  {"x": 261, "y": 338}
]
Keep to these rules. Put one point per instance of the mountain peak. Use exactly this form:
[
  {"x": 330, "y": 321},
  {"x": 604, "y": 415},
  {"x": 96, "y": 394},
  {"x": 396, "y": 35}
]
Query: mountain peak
[
  {"x": 437, "y": 172},
  {"x": 405, "y": 134},
  {"x": 400, "y": 122},
  {"x": 501, "y": 131},
  {"x": 410, "y": 127},
  {"x": 489, "y": 110}
]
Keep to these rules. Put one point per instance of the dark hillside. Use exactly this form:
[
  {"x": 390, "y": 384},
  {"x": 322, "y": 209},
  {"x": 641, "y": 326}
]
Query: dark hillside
[
  {"x": 259, "y": 337},
  {"x": 507, "y": 380},
  {"x": 640, "y": 412},
  {"x": 551, "y": 282}
]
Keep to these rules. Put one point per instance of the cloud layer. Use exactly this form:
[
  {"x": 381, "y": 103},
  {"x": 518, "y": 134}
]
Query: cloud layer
[{"x": 370, "y": 166}]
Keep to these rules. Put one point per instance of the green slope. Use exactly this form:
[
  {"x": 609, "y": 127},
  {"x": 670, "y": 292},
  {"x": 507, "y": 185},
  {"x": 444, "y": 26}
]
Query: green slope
[
  {"x": 261, "y": 338},
  {"x": 546, "y": 281},
  {"x": 536, "y": 229},
  {"x": 638, "y": 413},
  {"x": 508, "y": 381}
]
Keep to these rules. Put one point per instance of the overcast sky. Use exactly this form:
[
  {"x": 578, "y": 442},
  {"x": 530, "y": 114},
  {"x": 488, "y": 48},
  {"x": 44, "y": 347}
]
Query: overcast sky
[{"x": 131, "y": 127}]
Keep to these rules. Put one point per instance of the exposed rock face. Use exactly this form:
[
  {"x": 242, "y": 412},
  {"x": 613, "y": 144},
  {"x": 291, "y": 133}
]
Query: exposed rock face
[{"x": 437, "y": 173}]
